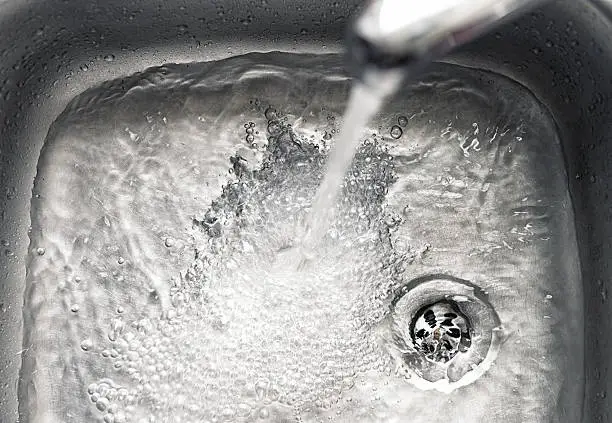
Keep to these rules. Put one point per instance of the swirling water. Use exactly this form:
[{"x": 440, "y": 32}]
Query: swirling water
[{"x": 158, "y": 288}]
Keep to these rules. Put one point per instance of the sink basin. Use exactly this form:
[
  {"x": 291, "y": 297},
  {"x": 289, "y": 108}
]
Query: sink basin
[{"x": 494, "y": 219}]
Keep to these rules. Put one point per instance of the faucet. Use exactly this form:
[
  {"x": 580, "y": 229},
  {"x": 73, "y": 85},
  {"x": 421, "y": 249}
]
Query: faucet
[{"x": 404, "y": 36}]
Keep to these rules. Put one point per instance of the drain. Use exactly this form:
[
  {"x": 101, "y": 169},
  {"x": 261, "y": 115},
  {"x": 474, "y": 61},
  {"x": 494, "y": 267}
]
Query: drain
[
  {"x": 444, "y": 332},
  {"x": 440, "y": 331}
]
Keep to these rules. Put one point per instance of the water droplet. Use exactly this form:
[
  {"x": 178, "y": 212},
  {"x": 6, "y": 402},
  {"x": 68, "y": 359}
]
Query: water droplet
[
  {"x": 396, "y": 132},
  {"x": 74, "y": 308},
  {"x": 40, "y": 251},
  {"x": 402, "y": 121},
  {"x": 549, "y": 297},
  {"x": 169, "y": 242}
]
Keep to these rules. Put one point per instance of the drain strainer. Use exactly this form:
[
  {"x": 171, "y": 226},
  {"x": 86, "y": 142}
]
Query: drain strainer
[
  {"x": 440, "y": 331},
  {"x": 445, "y": 333}
]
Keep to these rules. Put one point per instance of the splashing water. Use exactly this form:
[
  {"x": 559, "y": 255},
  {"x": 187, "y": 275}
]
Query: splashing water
[{"x": 158, "y": 291}]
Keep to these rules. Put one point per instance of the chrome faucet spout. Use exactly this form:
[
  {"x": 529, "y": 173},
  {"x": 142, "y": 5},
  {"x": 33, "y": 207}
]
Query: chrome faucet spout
[{"x": 409, "y": 34}]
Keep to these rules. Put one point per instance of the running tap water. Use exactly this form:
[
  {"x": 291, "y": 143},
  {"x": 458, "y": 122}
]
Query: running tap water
[
  {"x": 365, "y": 100},
  {"x": 389, "y": 40}
]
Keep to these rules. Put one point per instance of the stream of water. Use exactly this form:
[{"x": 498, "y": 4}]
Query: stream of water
[{"x": 365, "y": 100}]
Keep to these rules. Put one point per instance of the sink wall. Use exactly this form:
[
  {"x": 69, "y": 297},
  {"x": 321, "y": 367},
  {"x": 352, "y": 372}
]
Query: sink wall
[{"x": 562, "y": 53}]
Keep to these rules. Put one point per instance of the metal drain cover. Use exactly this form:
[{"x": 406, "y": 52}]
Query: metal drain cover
[
  {"x": 444, "y": 333},
  {"x": 440, "y": 331}
]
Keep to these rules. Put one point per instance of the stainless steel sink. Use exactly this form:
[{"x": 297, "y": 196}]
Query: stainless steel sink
[{"x": 51, "y": 51}]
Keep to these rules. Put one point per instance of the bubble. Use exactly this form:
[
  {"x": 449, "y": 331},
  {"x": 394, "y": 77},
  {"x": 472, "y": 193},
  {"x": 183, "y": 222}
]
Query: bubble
[
  {"x": 402, "y": 121},
  {"x": 109, "y": 57},
  {"x": 250, "y": 138},
  {"x": 40, "y": 251},
  {"x": 274, "y": 128},
  {"x": 271, "y": 113},
  {"x": 243, "y": 410},
  {"x": 228, "y": 413},
  {"x": 102, "y": 404},
  {"x": 86, "y": 344},
  {"x": 92, "y": 388},
  {"x": 396, "y": 132},
  {"x": 74, "y": 308},
  {"x": 120, "y": 260},
  {"x": 264, "y": 413},
  {"x": 260, "y": 388},
  {"x": 169, "y": 242}
]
